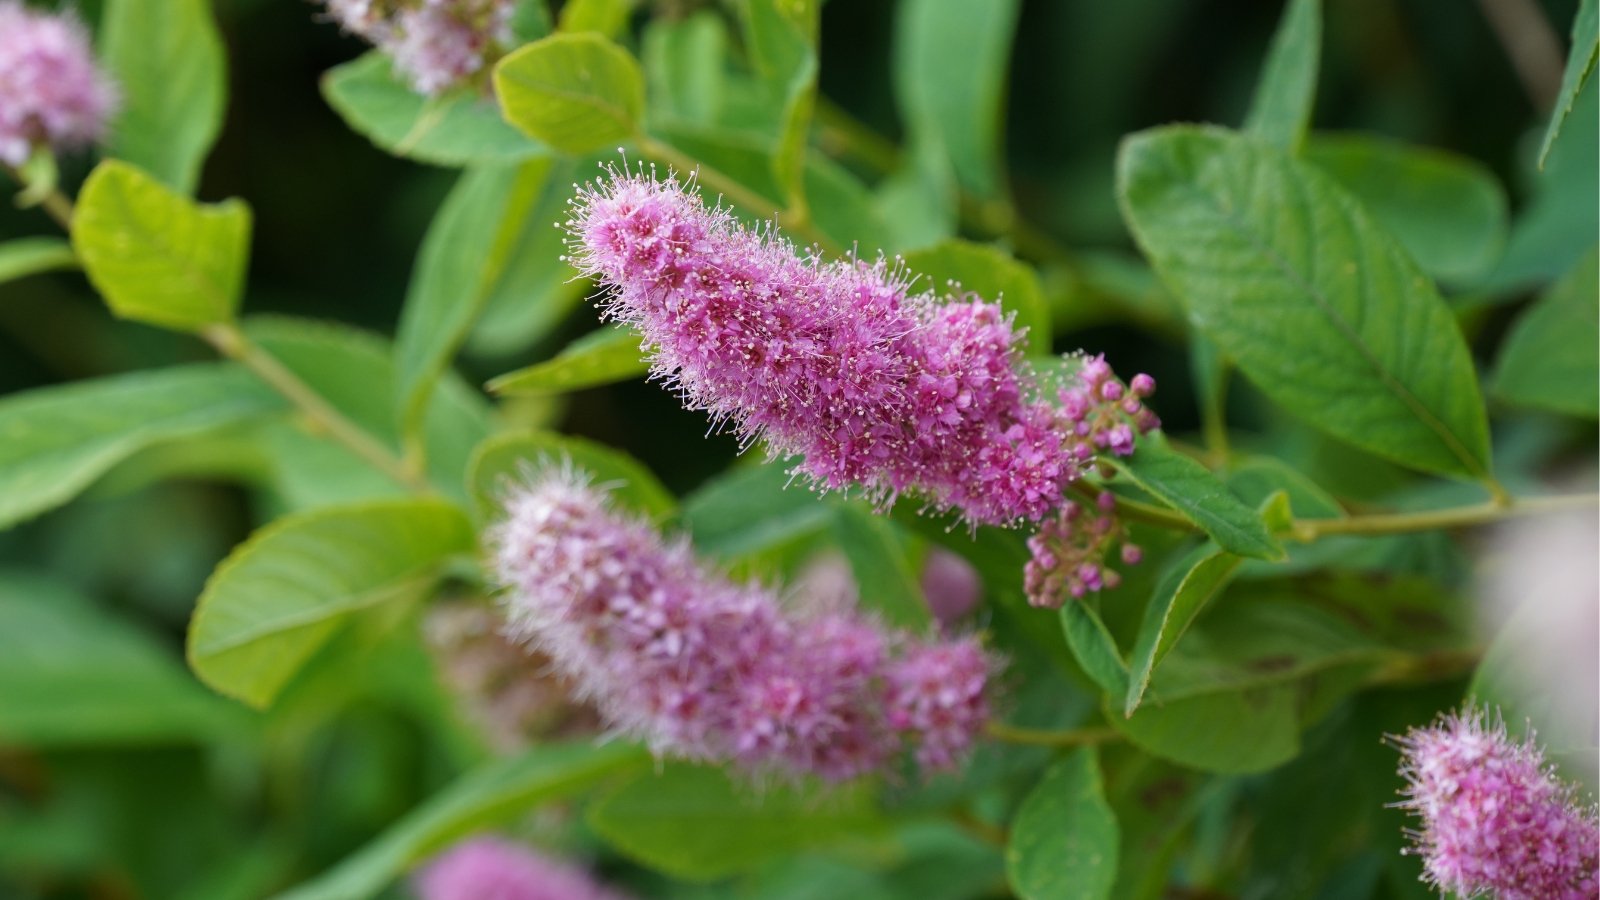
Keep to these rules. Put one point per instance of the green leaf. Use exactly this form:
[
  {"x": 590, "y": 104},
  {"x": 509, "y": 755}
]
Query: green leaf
[
  {"x": 156, "y": 256},
  {"x": 1200, "y": 496},
  {"x": 992, "y": 274},
  {"x": 538, "y": 290},
  {"x": 498, "y": 792},
  {"x": 694, "y": 822},
  {"x": 601, "y": 357},
  {"x": 1064, "y": 841},
  {"x": 471, "y": 249},
  {"x": 1557, "y": 224},
  {"x": 574, "y": 92},
  {"x": 1447, "y": 211},
  {"x": 355, "y": 372},
  {"x": 685, "y": 63},
  {"x": 1581, "y": 62},
  {"x": 1264, "y": 638},
  {"x": 1255, "y": 479},
  {"x": 1190, "y": 583},
  {"x": 877, "y": 555},
  {"x": 1093, "y": 646},
  {"x": 604, "y": 17},
  {"x": 840, "y": 205},
  {"x": 282, "y": 594},
  {"x": 74, "y": 674},
  {"x": 1550, "y": 360},
  {"x": 1311, "y": 299},
  {"x": 920, "y": 201},
  {"x": 1280, "y": 113},
  {"x": 950, "y": 63},
  {"x": 33, "y": 256},
  {"x": 503, "y": 459},
  {"x": 56, "y": 441},
  {"x": 782, "y": 38},
  {"x": 457, "y": 128},
  {"x": 168, "y": 62},
  {"x": 750, "y": 509},
  {"x": 1229, "y": 731},
  {"x": 1208, "y": 369},
  {"x": 1155, "y": 803}
]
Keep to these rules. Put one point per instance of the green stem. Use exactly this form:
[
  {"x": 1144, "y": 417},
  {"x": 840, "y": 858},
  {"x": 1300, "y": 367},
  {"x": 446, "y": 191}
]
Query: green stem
[
  {"x": 234, "y": 344},
  {"x": 1436, "y": 665},
  {"x": 1042, "y": 737},
  {"x": 59, "y": 208},
  {"x": 796, "y": 221},
  {"x": 978, "y": 828},
  {"x": 842, "y": 134},
  {"x": 53, "y": 202},
  {"x": 1435, "y": 519},
  {"x": 1135, "y": 511}
]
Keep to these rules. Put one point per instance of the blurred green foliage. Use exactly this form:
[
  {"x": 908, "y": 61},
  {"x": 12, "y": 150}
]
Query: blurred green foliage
[{"x": 121, "y": 776}]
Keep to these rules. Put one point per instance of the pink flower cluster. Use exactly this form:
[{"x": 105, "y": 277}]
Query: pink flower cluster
[
  {"x": 486, "y": 868},
  {"x": 1067, "y": 557},
  {"x": 435, "y": 44},
  {"x": 1495, "y": 818},
  {"x": 51, "y": 92},
  {"x": 836, "y": 363},
  {"x": 1100, "y": 413},
  {"x": 707, "y": 669}
]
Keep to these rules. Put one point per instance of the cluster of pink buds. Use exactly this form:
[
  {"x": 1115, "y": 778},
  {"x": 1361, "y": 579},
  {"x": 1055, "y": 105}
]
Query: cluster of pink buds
[
  {"x": 1496, "y": 819},
  {"x": 1067, "y": 557},
  {"x": 706, "y": 669},
  {"x": 837, "y": 365},
  {"x": 1101, "y": 414},
  {"x": 435, "y": 44},
  {"x": 51, "y": 92},
  {"x": 486, "y": 868}
]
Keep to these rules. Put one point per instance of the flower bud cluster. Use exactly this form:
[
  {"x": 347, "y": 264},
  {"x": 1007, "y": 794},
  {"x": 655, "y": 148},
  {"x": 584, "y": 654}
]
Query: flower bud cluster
[
  {"x": 837, "y": 364},
  {"x": 52, "y": 94},
  {"x": 435, "y": 44},
  {"x": 707, "y": 669},
  {"x": 486, "y": 868},
  {"x": 1103, "y": 415},
  {"x": 1067, "y": 556},
  {"x": 1496, "y": 820}
]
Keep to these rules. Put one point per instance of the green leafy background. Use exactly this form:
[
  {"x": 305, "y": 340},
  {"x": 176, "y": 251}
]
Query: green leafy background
[{"x": 1369, "y": 285}]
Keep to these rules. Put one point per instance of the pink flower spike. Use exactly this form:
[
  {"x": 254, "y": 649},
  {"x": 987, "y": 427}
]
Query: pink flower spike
[
  {"x": 834, "y": 364},
  {"x": 486, "y": 868},
  {"x": 696, "y": 665},
  {"x": 52, "y": 94},
  {"x": 1495, "y": 818}
]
